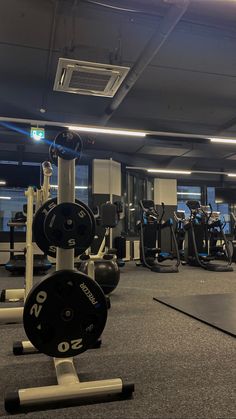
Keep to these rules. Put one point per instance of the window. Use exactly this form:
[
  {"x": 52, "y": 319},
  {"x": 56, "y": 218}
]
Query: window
[
  {"x": 81, "y": 183},
  {"x": 11, "y": 201},
  {"x": 138, "y": 188},
  {"x": 223, "y": 208},
  {"x": 187, "y": 193}
]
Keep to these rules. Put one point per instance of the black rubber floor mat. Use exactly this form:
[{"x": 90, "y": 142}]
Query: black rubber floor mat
[{"x": 216, "y": 310}]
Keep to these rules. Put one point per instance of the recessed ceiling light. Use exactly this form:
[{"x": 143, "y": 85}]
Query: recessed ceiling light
[
  {"x": 2, "y": 182},
  {"x": 5, "y": 197}
]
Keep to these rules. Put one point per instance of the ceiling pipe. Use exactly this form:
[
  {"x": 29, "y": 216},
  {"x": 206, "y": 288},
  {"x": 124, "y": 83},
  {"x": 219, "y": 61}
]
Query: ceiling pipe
[
  {"x": 168, "y": 23},
  {"x": 227, "y": 125},
  {"x": 50, "y": 53}
]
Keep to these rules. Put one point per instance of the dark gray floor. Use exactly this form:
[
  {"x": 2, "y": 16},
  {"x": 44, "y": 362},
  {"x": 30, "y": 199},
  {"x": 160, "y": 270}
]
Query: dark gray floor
[{"x": 181, "y": 367}]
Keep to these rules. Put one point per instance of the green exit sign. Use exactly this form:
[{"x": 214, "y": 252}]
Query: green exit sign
[{"x": 37, "y": 133}]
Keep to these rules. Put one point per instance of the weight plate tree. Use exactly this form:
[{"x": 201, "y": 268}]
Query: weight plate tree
[
  {"x": 41, "y": 238},
  {"x": 65, "y": 314}
]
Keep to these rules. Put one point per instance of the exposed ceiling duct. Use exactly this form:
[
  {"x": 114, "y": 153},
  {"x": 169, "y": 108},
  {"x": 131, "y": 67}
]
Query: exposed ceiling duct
[{"x": 168, "y": 23}]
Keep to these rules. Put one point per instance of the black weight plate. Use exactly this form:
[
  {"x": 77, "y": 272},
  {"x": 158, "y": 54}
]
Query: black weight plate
[
  {"x": 56, "y": 150},
  {"x": 69, "y": 225},
  {"x": 38, "y": 230},
  {"x": 67, "y": 145},
  {"x": 65, "y": 314}
]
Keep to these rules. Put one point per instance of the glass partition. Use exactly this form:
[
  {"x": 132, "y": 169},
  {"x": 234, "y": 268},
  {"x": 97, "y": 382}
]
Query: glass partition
[
  {"x": 223, "y": 207},
  {"x": 11, "y": 201},
  {"x": 81, "y": 183},
  {"x": 137, "y": 188}
]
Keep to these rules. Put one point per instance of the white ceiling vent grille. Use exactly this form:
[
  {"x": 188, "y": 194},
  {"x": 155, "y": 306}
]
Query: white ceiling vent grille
[{"x": 87, "y": 78}]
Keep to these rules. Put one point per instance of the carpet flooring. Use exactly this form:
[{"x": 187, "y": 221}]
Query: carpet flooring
[{"x": 181, "y": 367}]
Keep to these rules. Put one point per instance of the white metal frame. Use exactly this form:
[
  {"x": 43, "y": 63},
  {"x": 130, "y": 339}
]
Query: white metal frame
[
  {"x": 102, "y": 249},
  {"x": 15, "y": 314}
]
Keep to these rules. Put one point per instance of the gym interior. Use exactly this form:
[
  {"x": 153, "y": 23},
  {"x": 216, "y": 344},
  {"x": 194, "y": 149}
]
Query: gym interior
[{"x": 117, "y": 208}]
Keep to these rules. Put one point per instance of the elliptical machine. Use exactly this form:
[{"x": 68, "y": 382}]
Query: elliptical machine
[
  {"x": 216, "y": 245},
  {"x": 196, "y": 244},
  {"x": 150, "y": 228},
  {"x": 233, "y": 240},
  {"x": 180, "y": 221}
]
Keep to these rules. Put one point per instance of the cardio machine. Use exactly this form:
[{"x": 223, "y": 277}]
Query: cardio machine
[
  {"x": 216, "y": 245},
  {"x": 180, "y": 221},
  {"x": 233, "y": 240},
  {"x": 197, "y": 239},
  {"x": 151, "y": 228}
]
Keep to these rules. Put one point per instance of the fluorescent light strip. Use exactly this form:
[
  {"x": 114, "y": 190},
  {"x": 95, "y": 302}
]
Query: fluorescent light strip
[
  {"x": 2, "y": 182},
  {"x": 223, "y": 140},
  {"x": 231, "y": 174},
  {"x": 173, "y": 172},
  {"x": 5, "y": 197},
  {"x": 76, "y": 187},
  {"x": 190, "y": 193},
  {"x": 107, "y": 131},
  {"x": 207, "y": 172}
]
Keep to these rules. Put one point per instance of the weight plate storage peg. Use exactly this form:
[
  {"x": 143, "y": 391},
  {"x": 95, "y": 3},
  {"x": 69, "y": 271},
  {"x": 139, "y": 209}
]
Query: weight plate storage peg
[
  {"x": 69, "y": 225},
  {"x": 65, "y": 314}
]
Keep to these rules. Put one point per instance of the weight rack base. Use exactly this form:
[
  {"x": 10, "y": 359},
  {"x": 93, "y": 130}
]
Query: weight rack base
[{"x": 68, "y": 391}]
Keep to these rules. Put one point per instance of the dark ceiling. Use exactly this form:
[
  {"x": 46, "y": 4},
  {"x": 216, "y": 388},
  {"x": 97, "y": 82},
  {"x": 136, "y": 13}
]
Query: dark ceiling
[{"x": 188, "y": 85}]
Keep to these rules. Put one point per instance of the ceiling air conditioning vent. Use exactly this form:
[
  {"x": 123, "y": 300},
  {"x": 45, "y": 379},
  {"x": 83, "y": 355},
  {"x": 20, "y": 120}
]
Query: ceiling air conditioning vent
[{"x": 87, "y": 78}]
